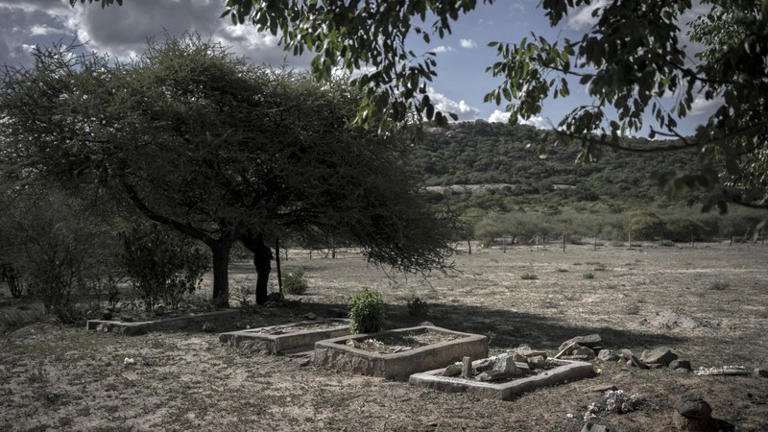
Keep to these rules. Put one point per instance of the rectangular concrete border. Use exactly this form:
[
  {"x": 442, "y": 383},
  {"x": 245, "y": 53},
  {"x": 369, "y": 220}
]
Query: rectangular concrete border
[
  {"x": 175, "y": 323},
  {"x": 568, "y": 371},
  {"x": 287, "y": 342},
  {"x": 335, "y": 354}
]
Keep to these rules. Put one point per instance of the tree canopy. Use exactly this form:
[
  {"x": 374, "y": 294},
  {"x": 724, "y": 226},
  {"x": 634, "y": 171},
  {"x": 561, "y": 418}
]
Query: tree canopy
[
  {"x": 633, "y": 62},
  {"x": 193, "y": 138}
]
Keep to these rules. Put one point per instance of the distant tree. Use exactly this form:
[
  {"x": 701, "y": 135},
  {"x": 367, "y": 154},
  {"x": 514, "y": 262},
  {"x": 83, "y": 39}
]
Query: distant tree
[
  {"x": 632, "y": 61},
  {"x": 199, "y": 141}
]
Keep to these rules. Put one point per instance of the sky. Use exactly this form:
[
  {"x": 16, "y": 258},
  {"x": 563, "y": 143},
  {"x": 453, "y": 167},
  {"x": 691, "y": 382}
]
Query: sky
[{"x": 462, "y": 57}]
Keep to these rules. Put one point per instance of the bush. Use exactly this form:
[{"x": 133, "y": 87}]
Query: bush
[
  {"x": 295, "y": 283},
  {"x": 588, "y": 275},
  {"x": 57, "y": 246},
  {"x": 417, "y": 307},
  {"x": 528, "y": 276},
  {"x": 645, "y": 225},
  {"x": 163, "y": 265},
  {"x": 366, "y": 311}
]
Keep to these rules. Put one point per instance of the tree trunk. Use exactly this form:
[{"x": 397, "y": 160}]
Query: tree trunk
[
  {"x": 277, "y": 266},
  {"x": 220, "y": 252},
  {"x": 262, "y": 257}
]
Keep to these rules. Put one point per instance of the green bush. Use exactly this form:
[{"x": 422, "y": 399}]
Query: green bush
[
  {"x": 645, "y": 225},
  {"x": 163, "y": 265},
  {"x": 295, "y": 282},
  {"x": 366, "y": 311}
]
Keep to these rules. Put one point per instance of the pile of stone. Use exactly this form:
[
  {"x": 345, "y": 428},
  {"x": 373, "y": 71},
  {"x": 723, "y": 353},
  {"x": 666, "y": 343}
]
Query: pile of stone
[
  {"x": 582, "y": 348},
  {"x": 591, "y": 347},
  {"x": 612, "y": 401},
  {"x": 695, "y": 415},
  {"x": 516, "y": 363}
]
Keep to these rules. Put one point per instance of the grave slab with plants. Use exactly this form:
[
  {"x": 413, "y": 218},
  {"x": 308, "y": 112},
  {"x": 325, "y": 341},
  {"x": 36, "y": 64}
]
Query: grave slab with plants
[
  {"x": 505, "y": 376},
  {"x": 287, "y": 338},
  {"x": 396, "y": 354}
]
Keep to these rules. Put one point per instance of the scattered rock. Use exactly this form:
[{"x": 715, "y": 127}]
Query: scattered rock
[
  {"x": 601, "y": 388},
  {"x": 725, "y": 370},
  {"x": 490, "y": 375},
  {"x": 518, "y": 357},
  {"x": 662, "y": 356},
  {"x": 612, "y": 401},
  {"x": 584, "y": 351},
  {"x": 674, "y": 320},
  {"x": 311, "y": 316},
  {"x": 680, "y": 364},
  {"x": 760, "y": 373},
  {"x": 129, "y": 361},
  {"x": 693, "y": 407},
  {"x": 591, "y": 341},
  {"x": 305, "y": 362},
  {"x": 482, "y": 365},
  {"x": 148, "y": 361},
  {"x": 636, "y": 362},
  {"x": 453, "y": 370},
  {"x": 590, "y": 427},
  {"x": 537, "y": 362},
  {"x": 505, "y": 367},
  {"x": 626, "y": 354},
  {"x": 607, "y": 355}
]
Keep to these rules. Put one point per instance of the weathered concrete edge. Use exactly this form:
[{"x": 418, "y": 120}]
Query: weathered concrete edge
[
  {"x": 277, "y": 344},
  {"x": 140, "y": 327},
  {"x": 334, "y": 342},
  {"x": 573, "y": 370}
]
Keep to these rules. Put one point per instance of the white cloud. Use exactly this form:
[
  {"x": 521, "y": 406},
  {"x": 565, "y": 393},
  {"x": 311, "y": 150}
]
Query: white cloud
[
  {"x": 446, "y": 105},
  {"x": 467, "y": 43},
  {"x": 539, "y": 122},
  {"x": 498, "y": 116},
  {"x": 702, "y": 106},
  {"x": 442, "y": 49},
  {"x": 584, "y": 19}
]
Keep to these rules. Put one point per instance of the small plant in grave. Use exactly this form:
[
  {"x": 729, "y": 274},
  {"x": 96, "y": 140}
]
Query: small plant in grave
[
  {"x": 366, "y": 311},
  {"x": 417, "y": 307},
  {"x": 528, "y": 276},
  {"x": 295, "y": 282}
]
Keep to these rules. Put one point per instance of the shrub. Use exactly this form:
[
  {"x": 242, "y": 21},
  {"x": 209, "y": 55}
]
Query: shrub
[
  {"x": 163, "y": 265},
  {"x": 10, "y": 276},
  {"x": 684, "y": 230},
  {"x": 588, "y": 275},
  {"x": 417, "y": 307},
  {"x": 645, "y": 225},
  {"x": 366, "y": 311},
  {"x": 719, "y": 285},
  {"x": 295, "y": 282},
  {"x": 528, "y": 276}
]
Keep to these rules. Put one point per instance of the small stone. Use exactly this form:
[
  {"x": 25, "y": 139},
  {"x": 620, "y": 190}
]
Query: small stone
[
  {"x": 426, "y": 324},
  {"x": 693, "y": 407},
  {"x": 453, "y": 370},
  {"x": 636, "y": 362},
  {"x": 682, "y": 371},
  {"x": 311, "y": 316},
  {"x": 760, "y": 373},
  {"x": 591, "y": 341},
  {"x": 208, "y": 327},
  {"x": 537, "y": 362},
  {"x": 305, "y": 362},
  {"x": 524, "y": 368},
  {"x": 129, "y": 361},
  {"x": 482, "y": 365},
  {"x": 662, "y": 355},
  {"x": 584, "y": 351},
  {"x": 488, "y": 376},
  {"x": 590, "y": 427},
  {"x": 516, "y": 356},
  {"x": 680, "y": 364},
  {"x": 626, "y": 354},
  {"x": 506, "y": 366},
  {"x": 607, "y": 355},
  {"x": 148, "y": 361}
]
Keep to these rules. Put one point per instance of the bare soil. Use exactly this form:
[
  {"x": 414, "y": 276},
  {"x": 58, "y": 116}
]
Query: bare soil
[
  {"x": 710, "y": 304},
  {"x": 397, "y": 342}
]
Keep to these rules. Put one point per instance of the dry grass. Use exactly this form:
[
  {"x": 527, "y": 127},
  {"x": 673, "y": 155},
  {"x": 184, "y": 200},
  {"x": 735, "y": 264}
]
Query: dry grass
[{"x": 68, "y": 379}]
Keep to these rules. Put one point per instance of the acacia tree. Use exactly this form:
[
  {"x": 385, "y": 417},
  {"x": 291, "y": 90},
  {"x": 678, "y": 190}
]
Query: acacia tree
[
  {"x": 219, "y": 150},
  {"x": 632, "y": 61}
]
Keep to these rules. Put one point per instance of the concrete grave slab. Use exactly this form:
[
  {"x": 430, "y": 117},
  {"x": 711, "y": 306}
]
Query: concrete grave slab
[
  {"x": 338, "y": 353},
  {"x": 566, "y": 370},
  {"x": 188, "y": 321},
  {"x": 285, "y": 338}
]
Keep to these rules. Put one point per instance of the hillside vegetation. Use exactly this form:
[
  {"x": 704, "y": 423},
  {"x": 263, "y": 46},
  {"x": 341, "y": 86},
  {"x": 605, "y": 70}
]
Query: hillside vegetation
[{"x": 524, "y": 182}]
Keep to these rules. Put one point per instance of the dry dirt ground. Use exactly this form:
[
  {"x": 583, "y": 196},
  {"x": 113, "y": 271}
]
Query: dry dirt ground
[{"x": 708, "y": 303}]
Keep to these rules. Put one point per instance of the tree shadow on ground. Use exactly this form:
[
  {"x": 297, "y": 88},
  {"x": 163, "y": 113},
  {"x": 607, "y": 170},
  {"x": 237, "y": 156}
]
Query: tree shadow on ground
[{"x": 505, "y": 328}]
